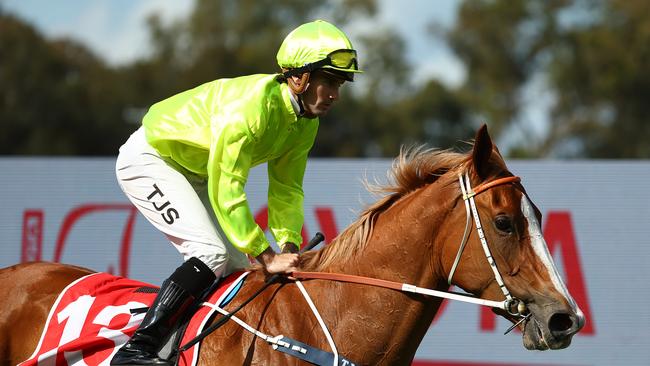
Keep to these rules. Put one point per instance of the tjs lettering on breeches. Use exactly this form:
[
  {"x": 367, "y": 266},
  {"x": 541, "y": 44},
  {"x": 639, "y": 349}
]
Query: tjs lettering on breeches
[{"x": 171, "y": 213}]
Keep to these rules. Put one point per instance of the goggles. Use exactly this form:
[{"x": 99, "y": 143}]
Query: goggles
[{"x": 343, "y": 60}]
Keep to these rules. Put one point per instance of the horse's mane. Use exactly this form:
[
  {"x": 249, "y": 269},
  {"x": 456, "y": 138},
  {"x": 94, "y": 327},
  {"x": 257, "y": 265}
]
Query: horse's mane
[{"x": 414, "y": 168}]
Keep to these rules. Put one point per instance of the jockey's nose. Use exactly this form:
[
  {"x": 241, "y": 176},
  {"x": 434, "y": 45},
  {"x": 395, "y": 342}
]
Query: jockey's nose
[{"x": 334, "y": 93}]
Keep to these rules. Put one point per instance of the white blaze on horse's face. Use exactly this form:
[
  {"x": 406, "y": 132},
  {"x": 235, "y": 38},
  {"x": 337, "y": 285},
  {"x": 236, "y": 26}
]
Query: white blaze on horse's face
[{"x": 541, "y": 250}]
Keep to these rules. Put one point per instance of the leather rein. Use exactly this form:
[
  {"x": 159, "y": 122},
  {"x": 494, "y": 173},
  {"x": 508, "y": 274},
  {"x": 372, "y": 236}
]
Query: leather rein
[{"x": 512, "y": 305}]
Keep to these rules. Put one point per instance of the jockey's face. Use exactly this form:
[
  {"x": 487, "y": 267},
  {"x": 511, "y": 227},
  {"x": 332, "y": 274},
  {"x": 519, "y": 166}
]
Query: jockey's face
[{"x": 322, "y": 92}]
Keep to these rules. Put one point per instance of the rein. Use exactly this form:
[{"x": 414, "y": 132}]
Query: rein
[
  {"x": 512, "y": 305},
  {"x": 404, "y": 287}
]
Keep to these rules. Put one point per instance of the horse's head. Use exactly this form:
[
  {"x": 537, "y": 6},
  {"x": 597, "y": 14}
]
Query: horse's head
[
  {"x": 426, "y": 230},
  {"x": 512, "y": 234}
]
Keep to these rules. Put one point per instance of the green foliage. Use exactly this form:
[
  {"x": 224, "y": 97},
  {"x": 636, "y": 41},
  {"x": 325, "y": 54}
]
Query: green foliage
[
  {"x": 600, "y": 73},
  {"x": 593, "y": 55},
  {"x": 51, "y": 100},
  {"x": 501, "y": 43}
]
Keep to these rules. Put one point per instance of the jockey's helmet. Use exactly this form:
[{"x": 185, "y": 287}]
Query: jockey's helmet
[{"x": 317, "y": 45}]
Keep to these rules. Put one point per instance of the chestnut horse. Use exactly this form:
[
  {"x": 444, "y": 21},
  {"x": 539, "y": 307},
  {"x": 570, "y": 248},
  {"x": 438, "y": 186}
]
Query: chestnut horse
[{"x": 419, "y": 233}]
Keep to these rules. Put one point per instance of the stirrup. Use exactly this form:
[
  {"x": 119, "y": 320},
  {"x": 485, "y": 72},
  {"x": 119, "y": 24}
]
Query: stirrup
[{"x": 127, "y": 356}]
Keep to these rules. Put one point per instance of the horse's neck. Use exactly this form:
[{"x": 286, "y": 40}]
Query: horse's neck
[
  {"x": 400, "y": 249},
  {"x": 405, "y": 245}
]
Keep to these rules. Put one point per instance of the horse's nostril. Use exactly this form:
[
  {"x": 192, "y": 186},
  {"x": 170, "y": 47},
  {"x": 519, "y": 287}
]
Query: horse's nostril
[{"x": 562, "y": 325}]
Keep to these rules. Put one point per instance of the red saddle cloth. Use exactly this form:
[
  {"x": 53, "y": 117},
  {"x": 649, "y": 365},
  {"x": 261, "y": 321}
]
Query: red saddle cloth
[{"x": 92, "y": 319}]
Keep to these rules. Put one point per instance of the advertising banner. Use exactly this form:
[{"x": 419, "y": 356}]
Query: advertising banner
[{"x": 596, "y": 220}]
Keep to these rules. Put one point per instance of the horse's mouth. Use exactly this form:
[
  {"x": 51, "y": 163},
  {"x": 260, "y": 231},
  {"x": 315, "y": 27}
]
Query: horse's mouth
[
  {"x": 538, "y": 337},
  {"x": 533, "y": 336}
]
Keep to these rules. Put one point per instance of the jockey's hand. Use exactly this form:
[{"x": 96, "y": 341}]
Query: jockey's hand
[
  {"x": 289, "y": 247},
  {"x": 278, "y": 263}
]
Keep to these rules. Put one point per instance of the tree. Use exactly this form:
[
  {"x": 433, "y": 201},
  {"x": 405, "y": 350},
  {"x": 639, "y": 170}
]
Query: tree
[
  {"x": 502, "y": 44},
  {"x": 592, "y": 54},
  {"x": 56, "y": 97},
  {"x": 599, "y": 71}
]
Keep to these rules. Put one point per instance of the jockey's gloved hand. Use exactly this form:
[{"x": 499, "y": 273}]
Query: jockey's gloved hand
[
  {"x": 278, "y": 263},
  {"x": 289, "y": 247}
]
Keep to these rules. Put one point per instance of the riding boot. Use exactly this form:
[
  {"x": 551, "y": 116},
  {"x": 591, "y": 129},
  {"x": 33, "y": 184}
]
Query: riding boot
[{"x": 176, "y": 294}]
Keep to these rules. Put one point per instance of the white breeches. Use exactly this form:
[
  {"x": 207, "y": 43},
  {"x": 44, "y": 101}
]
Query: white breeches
[{"x": 175, "y": 203}]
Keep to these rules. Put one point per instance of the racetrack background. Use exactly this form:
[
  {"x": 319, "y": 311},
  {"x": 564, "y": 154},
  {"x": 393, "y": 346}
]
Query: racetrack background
[{"x": 596, "y": 219}]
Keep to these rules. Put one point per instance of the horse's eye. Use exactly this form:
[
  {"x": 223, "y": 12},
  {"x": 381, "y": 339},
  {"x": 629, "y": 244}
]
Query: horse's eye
[{"x": 503, "y": 223}]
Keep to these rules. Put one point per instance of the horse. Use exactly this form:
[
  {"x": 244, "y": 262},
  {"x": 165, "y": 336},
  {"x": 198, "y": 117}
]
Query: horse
[{"x": 419, "y": 232}]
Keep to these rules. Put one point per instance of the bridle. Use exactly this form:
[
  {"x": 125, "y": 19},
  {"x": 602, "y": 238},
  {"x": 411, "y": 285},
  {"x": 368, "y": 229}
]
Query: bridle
[{"x": 512, "y": 305}]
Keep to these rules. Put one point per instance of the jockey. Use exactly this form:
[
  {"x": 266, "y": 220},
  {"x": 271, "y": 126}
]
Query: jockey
[{"x": 186, "y": 167}]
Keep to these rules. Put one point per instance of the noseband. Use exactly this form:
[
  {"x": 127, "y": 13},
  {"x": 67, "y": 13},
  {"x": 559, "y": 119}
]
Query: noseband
[{"x": 512, "y": 305}]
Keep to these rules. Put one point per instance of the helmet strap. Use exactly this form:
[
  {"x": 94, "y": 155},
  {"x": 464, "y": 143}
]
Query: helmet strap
[
  {"x": 298, "y": 85},
  {"x": 301, "y": 105}
]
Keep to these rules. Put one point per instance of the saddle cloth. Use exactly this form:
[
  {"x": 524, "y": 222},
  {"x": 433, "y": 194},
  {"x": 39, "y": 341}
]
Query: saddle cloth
[{"x": 92, "y": 318}]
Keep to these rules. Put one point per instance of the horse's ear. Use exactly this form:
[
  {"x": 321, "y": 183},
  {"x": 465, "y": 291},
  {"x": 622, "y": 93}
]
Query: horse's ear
[{"x": 482, "y": 152}]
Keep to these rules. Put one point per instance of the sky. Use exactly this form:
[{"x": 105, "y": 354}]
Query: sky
[{"x": 116, "y": 30}]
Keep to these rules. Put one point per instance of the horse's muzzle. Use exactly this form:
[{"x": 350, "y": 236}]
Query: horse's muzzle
[{"x": 551, "y": 330}]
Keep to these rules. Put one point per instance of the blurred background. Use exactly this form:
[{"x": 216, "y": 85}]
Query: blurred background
[{"x": 553, "y": 79}]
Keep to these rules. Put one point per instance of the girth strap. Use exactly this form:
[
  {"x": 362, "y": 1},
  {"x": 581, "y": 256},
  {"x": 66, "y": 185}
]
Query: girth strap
[{"x": 308, "y": 353}]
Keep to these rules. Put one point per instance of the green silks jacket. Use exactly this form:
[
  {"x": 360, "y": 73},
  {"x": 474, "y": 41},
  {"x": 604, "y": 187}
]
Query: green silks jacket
[{"x": 219, "y": 131}]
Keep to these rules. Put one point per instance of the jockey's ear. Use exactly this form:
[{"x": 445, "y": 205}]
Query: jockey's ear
[{"x": 482, "y": 152}]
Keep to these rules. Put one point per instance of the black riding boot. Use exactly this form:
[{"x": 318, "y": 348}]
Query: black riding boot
[{"x": 178, "y": 292}]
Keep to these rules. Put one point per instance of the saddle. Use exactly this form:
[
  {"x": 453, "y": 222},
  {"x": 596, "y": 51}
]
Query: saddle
[{"x": 95, "y": 315}]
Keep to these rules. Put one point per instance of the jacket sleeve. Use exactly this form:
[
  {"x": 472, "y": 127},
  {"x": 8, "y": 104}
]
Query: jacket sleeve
[
  {"x": 228, "y": 166},
  {"x": 285, "y": 196}
]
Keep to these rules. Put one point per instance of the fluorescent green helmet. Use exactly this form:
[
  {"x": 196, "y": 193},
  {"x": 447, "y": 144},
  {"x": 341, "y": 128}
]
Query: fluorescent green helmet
[{"x": 317, "y": 45}]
